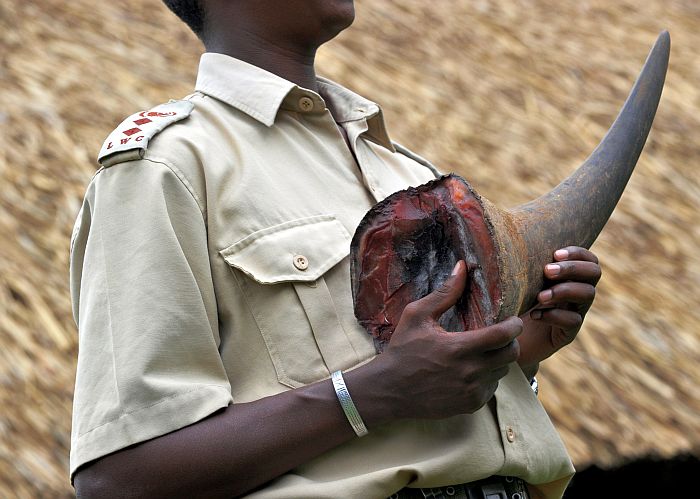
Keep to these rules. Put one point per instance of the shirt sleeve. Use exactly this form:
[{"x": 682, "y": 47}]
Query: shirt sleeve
[{"x": 143, "y": 299}]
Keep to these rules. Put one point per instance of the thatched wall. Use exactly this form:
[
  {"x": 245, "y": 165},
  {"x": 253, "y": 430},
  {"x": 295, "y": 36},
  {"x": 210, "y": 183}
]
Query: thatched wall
[{"x": 510, "y": 93}]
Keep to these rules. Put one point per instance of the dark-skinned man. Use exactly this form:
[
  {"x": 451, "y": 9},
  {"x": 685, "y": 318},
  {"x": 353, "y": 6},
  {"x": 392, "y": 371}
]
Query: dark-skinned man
[{"x": 210, "y": 283}]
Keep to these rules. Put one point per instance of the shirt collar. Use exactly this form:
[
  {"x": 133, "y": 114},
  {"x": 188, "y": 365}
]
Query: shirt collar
[{"x": 261, "y": 94}]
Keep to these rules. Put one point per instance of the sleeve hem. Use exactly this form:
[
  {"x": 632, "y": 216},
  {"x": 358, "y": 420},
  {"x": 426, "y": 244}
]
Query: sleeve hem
[{"x": 154, "y": 421}]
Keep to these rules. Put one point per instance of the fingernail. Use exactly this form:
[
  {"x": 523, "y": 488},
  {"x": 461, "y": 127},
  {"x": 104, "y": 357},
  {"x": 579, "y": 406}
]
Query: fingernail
[
  {"x": 561, "y": 254},
  {"x": 553, "y": 269},
  {"x": 546, "y": 295},
  {"x": 456, "y": 269},
  {"x": 536, "y": 314}
]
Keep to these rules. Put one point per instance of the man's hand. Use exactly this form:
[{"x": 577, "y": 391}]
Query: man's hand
[
  {"x": 555, "y": 321},
  {"x": 427, "y": 372}
]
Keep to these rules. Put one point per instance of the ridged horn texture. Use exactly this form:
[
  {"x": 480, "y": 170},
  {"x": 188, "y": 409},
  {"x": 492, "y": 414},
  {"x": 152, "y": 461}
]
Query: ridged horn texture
[{"x": 407, "y": 244}]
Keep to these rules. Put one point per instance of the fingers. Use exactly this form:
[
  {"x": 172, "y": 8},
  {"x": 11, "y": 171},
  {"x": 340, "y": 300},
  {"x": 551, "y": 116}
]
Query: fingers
[
  {"x": 574, "y": 263},
  {"x": 566, "y": 304},
  {"x": 497, "y": 337},
  {"x": 501, "y": 357},
  {"x": 568, "y": 320},
  {"x": 579, "y": 293},
  {"x": 573, "y": 270},
  {"x": 500, "y": 372},
  {"x": 441, "y": 299},
  {"x": 575, "y": 253}
]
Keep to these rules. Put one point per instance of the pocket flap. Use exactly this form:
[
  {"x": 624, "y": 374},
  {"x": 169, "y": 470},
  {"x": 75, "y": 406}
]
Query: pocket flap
[{"x": 298, "y": 250}]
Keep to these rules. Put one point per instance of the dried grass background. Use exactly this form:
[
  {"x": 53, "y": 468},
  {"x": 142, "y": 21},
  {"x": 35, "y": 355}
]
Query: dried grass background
[{"x": 512, "y": 94}]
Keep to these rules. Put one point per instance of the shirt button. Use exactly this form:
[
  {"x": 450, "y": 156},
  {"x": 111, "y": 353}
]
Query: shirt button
[
  {"x": 306, "y": 104},
  {"x": 510, "y": 433},
  {"x": 301, "y": 262}
]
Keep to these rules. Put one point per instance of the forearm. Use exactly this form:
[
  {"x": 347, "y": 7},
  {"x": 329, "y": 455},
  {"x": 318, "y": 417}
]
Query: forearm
[{"x": 233, "y": 451}]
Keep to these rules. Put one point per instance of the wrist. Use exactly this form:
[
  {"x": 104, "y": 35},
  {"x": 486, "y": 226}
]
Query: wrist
[{"x": 372, "y": 400}]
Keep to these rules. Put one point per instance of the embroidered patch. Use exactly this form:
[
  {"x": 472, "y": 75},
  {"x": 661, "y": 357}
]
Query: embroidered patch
[{"x": 134, "y": 132}]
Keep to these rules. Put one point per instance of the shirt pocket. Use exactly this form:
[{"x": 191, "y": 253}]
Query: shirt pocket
[{"x": 280, "y": 270}]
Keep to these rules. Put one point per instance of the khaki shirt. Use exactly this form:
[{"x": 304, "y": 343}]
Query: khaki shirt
[{"x": 209, "y": 266}]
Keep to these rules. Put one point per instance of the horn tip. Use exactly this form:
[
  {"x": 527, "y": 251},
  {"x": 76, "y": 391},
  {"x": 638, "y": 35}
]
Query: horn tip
[{"x": 661, "y": 50}]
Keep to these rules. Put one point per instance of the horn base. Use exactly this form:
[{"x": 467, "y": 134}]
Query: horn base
[{"x": 513, "y": 263}]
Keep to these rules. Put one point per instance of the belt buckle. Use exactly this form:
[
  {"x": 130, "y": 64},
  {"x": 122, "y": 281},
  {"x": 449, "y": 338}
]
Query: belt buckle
[
  {"x": 494, "y": 491},
  {"x": 497, "y": 490}
]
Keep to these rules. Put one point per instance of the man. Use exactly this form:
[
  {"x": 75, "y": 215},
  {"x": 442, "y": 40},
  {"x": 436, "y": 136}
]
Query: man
[{"x": 211, "y": 287}]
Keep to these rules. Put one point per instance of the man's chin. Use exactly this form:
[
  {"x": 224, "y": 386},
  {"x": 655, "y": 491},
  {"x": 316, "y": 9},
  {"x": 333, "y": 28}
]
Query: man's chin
[{"x": 342, "y": 15}]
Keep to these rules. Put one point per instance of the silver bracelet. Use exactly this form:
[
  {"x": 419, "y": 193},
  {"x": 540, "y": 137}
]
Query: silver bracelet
[{"x": 348, "y": 405}]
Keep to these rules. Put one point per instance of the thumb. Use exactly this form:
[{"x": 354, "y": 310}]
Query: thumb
[{"x": 441, "y": 299}]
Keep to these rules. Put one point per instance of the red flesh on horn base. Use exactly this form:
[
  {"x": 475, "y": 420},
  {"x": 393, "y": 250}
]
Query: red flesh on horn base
[{"x": 407, "y": 245}]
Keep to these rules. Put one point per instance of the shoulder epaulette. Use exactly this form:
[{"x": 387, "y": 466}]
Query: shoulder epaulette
[{"x": 133, "y": 133}]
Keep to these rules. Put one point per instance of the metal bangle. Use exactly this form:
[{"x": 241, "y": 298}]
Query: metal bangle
[{"x": 348, "y": 405}]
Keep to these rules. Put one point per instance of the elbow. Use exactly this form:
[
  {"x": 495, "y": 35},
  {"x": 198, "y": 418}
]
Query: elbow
[
  {"x": 90, "y": 484},
  {"x": 110, "y": 477},
  {"x": 99, "y": 481}
]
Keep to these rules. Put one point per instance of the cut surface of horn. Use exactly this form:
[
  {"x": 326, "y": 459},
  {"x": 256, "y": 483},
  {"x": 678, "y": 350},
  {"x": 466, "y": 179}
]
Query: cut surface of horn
[{"x": 407, "y": 244}]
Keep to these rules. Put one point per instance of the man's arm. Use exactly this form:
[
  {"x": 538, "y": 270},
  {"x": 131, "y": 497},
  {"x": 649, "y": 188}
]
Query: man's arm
[{"x": 245, "y": 445}]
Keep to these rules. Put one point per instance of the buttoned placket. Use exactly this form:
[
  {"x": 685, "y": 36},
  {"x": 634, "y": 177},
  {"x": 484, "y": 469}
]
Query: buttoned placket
[
  {"x": 353, "y": 129},
  {"x": 512, "y": 438},
  {"x": 332, "y": 340}
]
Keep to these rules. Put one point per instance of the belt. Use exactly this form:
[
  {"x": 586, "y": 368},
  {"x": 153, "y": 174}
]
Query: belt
[{"x": 495, "y": 487}]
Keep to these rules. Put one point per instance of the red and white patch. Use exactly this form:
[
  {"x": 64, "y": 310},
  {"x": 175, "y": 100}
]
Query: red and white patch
[
  {"x": 159, "y": 115},
  {"x": 136, "y": 131}
]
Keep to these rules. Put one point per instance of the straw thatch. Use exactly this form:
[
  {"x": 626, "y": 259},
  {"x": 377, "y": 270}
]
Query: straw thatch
[{"x": 510, "y": 93}]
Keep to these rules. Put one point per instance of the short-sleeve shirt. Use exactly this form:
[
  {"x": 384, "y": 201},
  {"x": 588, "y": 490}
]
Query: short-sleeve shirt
[{"x": 211, "y": 268}]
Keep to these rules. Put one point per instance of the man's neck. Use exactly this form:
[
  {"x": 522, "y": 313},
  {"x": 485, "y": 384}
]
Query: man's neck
[{"x": 290, "y": 62}]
